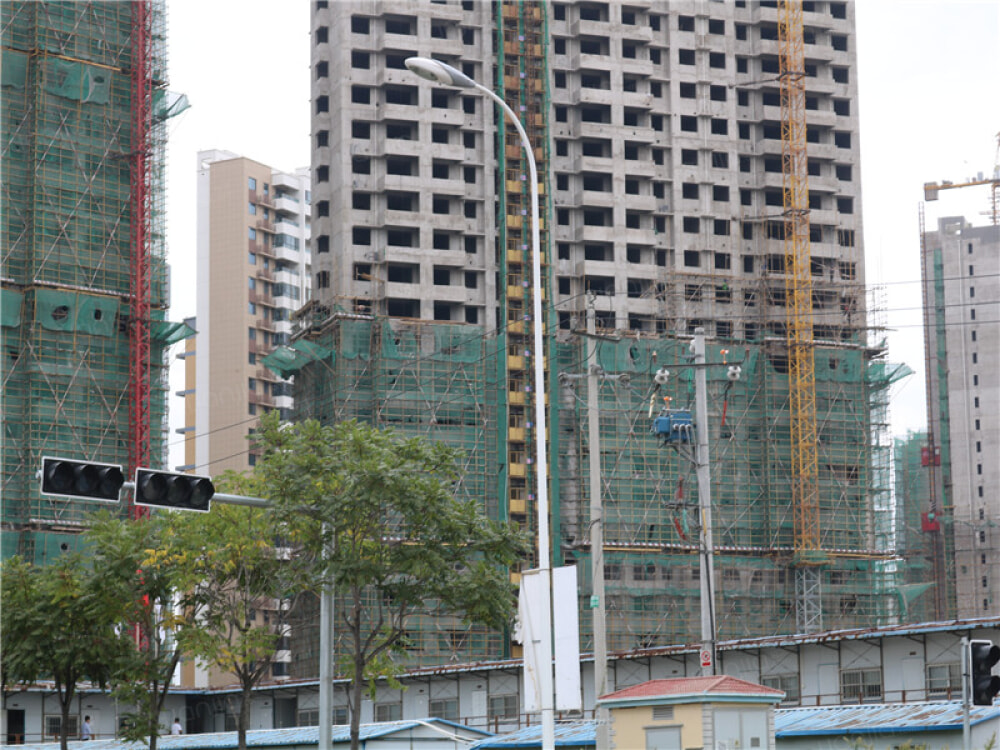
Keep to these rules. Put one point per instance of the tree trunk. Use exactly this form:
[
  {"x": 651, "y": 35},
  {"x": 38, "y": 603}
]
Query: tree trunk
[
  {"x": 65, "y": 700},
  {"x": 244, "y": 720},
  {"x": 358, "y": 689}
]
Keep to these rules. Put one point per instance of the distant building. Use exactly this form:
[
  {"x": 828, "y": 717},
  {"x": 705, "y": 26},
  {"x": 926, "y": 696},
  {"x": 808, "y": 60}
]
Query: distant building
[
  {"x": 253, "y": 272},
  {"x": 961, "y": 269}
]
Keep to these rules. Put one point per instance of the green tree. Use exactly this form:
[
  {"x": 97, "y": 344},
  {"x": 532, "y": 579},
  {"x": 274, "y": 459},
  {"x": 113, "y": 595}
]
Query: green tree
[
  {"x": 377, "y": 516},
  {"x": 56, "y": 623},
  {"x": 132, "y": 569},
  {"x": 229, "y": 568}
]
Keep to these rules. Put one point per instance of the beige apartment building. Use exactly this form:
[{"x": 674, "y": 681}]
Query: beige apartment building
[{"x": 253, "y": 272}]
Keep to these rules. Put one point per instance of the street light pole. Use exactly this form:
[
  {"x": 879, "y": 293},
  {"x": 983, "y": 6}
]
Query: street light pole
[{"x": 439, "y": 72}]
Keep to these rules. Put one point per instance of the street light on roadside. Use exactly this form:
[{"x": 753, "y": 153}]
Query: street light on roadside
[{"x": 439, "y": 72}]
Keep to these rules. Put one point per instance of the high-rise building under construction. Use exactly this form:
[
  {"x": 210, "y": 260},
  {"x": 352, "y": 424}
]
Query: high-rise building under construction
[
  {"x": 661, "y": 136},
  {"x": 84, "y": 277},
  {"x": 961, "y": 268}
]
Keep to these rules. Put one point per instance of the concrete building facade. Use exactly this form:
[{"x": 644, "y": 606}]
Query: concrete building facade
[
  {"x": 253, "y": 272},
  {"x": 961, "y": 268},
  {"x": 658, "y": 132}
]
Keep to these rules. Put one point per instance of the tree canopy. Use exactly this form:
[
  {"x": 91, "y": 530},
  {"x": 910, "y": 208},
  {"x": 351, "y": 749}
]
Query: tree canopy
[
  {"x": 234, "y": 574},
  {"x": 58, "y": 624},
  {"x": 131, "y": 571},
  {"x": 376, "y": 515}
]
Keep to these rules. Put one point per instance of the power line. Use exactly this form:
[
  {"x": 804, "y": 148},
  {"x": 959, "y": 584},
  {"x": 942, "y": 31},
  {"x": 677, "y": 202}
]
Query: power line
[{"x": 488, "y": 333}]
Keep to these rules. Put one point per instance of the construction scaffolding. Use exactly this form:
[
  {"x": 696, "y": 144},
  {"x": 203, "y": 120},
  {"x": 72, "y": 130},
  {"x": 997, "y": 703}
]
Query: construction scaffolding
[
  {"x": 522, "y": 79},
  {"x": 439, "y": 380},
  {"x": 436, "y": 380},
  {"x": 69, "y": 251},
  {"x": 919, "y": 529},
  {"x": 795, "y": 321},
  {"x": 651, "y": 503}
]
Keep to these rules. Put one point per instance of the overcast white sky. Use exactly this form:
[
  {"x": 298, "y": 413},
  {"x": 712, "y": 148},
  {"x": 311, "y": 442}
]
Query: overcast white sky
[{"x": 929, "y": 77}]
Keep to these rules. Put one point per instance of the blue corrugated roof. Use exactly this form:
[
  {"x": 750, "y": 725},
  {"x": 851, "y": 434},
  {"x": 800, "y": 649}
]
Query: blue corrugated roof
[
  {"x": 568, "y": 734},
  {"x": 877, "y": 718},
  {"x": 262, "y": 737}
]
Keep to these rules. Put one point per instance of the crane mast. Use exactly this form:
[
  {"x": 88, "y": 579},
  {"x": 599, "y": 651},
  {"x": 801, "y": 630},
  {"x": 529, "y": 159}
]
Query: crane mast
[
  {"x": 140, "y": 291},
  {"x": 808, "y": 556}
]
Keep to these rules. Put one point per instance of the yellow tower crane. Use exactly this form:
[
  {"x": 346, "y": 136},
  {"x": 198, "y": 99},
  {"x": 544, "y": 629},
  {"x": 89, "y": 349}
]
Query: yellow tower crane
[
  {"x": 931, "y": 189},
  {"x": 798, "y": 287}
]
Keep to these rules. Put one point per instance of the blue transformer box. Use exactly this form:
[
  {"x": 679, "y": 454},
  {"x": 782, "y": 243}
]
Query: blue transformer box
[{"x": 674, "y": 426}]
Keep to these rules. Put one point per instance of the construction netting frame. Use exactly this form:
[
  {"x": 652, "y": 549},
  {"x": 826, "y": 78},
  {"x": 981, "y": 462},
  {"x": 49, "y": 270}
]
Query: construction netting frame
[
  {"x": 438, "y": 380},
  {"x": 67, "y": 255}
]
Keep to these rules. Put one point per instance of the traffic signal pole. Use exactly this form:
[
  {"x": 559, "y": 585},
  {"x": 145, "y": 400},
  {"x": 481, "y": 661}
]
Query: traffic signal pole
[
  {"x": 966, "y": 680},
  {"x": 225, "y": 499}
]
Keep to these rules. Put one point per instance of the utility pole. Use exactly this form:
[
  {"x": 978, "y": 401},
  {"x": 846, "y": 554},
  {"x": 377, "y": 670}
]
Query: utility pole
[
  {"x": 597, "y": 601},
  {"x": 705, "y": 548},
  {"x": 675, "y": 425}
]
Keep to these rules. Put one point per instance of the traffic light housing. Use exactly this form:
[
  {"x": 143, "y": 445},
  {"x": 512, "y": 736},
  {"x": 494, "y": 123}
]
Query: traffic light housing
[
  {"x": 90, "y": 480},
  {"x": 170, "y": 489},
  {"x": 983, "y": 655}
]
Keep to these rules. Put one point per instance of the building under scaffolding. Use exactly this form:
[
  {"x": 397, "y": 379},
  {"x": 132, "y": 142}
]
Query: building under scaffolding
[
  {"x": 440, "y": 380},
  {"x": 84, "y": 278},
  {"x": 663, "y": 137},
  {"x": 918, "y": 528}
]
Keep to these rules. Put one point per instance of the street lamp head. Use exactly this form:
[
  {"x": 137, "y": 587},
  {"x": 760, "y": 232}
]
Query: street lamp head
[{"x": 439, "y": 72}]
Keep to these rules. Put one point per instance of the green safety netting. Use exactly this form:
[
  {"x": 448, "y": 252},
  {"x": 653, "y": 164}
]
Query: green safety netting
[
  {"x": 170, "y": 333},
  {"x": 458, "y": 343},
  {"x": 907, "y": 593},
  {"x": 10, "y": 308},
  {"x": 14, "y": 69},
  {"x": 167, "y": 104},
  {"x": 78, "y": 81},
  {"x": 288, "y": 360},
  {"x": 887, "y": 373},
  {"x": 355, "y": 339},
  {"x": 62, "y": 310}
]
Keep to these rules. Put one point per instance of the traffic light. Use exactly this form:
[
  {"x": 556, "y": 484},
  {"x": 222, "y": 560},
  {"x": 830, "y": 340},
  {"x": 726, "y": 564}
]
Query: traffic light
[
  {"x": 169, "y": 489},
  {"x": 985, "y": 685},
  {"x": 84, "y": 479}
]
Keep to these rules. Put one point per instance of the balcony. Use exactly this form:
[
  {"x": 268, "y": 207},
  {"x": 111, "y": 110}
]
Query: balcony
[
  {"x": 267, "y": 376},
  {"x": 262, "y": 199},
  {"x": 286, "y": 253},
  {"x": 261, "y": 399},
  {"x": 261, "y": 248},
  {"x": 287, "y": 204},
  {"x": 258, "y": 297}
]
